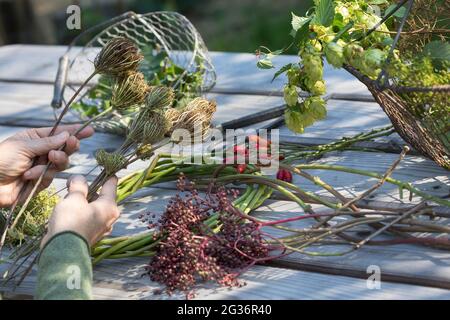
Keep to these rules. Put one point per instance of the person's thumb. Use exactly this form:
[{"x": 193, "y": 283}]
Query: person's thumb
[{"x": 42, "y": 146}]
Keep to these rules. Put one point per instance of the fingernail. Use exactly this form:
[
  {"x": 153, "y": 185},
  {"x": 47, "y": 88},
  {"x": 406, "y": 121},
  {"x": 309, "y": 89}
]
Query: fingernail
[
  {"x": 77, "y": 179},
  {"x": 63, "y": 135},
  {"x": 55, "y": 155}
]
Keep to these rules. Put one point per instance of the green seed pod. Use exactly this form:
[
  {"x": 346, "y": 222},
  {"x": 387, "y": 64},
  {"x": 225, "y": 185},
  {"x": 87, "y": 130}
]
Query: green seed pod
[
  {"x": 334, "y": 54},
  {"x": 374, "y": 58},
  {"x": 352, "y": 51}
]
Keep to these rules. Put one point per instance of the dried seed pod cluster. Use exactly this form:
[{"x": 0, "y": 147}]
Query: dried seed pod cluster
[
  {"x": 159, "y": 97},
  {"x": 111, "y": 162},
  {"x": 129, "y": 90},
  {"x": 197, "y": 113},
  {"x": 117, "y": 56}
]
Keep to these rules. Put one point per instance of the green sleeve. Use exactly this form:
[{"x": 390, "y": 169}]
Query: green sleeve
[{"x": 65, "y": 269}]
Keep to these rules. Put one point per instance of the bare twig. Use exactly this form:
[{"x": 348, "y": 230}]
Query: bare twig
[{"x": 390, "y": 224}]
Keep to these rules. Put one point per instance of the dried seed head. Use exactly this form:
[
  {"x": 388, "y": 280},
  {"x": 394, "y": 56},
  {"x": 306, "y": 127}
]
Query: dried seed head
[
  {"x": 155, "y": 128},
  {"x": 111, "y": 162},
  {"x": 148, "y": 127},
  {"x": 198, "y": 113},
  {"x": 117, "y": 56},
  {"x": 129, "y": 90},
  {"x": 202, "y": 105},
  {"x": 189, "y": 252},
  {"x": 172, "y": 115},
  {"x": 144, "y": 151},
  {"x": 159, "y": 97}
]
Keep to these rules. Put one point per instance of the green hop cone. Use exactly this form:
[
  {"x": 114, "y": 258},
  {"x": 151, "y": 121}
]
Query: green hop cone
[
  {"x": 293, "y": 75},
  {"x": 293, "y": 120},
  {"x": 351, "y": 52},
  {"x": 316, "y": 105},
  {"x": 308, "y": 112},
  {"x": 316, "y": 88},
  {"x": 290, "y": 95},
  {"x": 374, "y": 58},
  {"x": 313, "y": 67},
  {"x": 334, "y": 54}
]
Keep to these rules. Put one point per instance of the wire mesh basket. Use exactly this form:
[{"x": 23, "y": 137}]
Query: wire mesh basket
[
  {"x": 428, "y": 133},
  {"x": 169, "y": 34}
]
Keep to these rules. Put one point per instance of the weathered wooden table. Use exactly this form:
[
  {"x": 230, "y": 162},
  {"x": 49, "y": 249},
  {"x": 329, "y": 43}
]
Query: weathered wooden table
[{"x": 407, "y": 272}]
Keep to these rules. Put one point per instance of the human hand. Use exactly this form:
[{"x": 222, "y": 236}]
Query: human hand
[
  {"x": 92, "y": 220},
  {"x": 18, "y": 151}
]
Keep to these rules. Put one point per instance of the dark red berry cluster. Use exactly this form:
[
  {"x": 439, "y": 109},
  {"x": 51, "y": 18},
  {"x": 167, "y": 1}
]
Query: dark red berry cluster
[{"x": 204, "y": 238}]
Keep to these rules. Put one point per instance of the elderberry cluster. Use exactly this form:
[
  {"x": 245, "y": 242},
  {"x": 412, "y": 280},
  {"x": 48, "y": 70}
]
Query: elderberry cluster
[{"x": 204, "y": 238}]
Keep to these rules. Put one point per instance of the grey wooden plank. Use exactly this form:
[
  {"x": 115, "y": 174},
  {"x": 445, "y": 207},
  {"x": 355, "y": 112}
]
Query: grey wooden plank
[
  {"x": 22, "y": 102},
  {"x": 262, "y": 283},
  {"x": 28, "y": 105},
  {"x": 237, "y": 72}
]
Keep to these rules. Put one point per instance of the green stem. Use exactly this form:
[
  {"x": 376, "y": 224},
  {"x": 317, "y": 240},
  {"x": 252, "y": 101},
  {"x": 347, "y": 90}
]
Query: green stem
[{"x": 401, "y": 184}]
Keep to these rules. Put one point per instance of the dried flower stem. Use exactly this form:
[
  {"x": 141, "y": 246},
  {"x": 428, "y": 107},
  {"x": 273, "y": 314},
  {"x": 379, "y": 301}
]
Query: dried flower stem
[{"x": 39, "y": 180}]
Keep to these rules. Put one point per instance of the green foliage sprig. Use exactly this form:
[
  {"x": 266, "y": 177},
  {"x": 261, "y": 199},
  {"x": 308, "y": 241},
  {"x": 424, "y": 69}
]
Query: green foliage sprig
[{"x": 348, "y": 32}]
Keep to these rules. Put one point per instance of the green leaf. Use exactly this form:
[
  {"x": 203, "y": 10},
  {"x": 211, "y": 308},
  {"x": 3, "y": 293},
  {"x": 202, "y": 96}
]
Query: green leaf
[
  {"x": 438, "y": 51},
  {"x": 398, "y": 14},
  {"x": 282, "y": 70},
  {"x": 377, "y": 2},
  {"x": 297, "y": 22},
  {"x": 347, "y": 27},
  {"x": 325, "y": 12},
  {"x": 265, "y": 64},
  {"x": 301, "y": 35}
]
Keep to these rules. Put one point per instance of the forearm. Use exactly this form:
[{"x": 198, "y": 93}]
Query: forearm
[{"x": 65, "y": 269}]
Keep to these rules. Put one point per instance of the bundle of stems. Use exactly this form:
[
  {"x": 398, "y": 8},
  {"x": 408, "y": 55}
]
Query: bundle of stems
[
  {"x": 338, "y": 225},
  {"x": 145, "y": 244}
]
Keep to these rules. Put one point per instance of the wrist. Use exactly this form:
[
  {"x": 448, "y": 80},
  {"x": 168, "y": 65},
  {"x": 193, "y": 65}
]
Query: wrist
[{"x": 50, "y": 235}]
